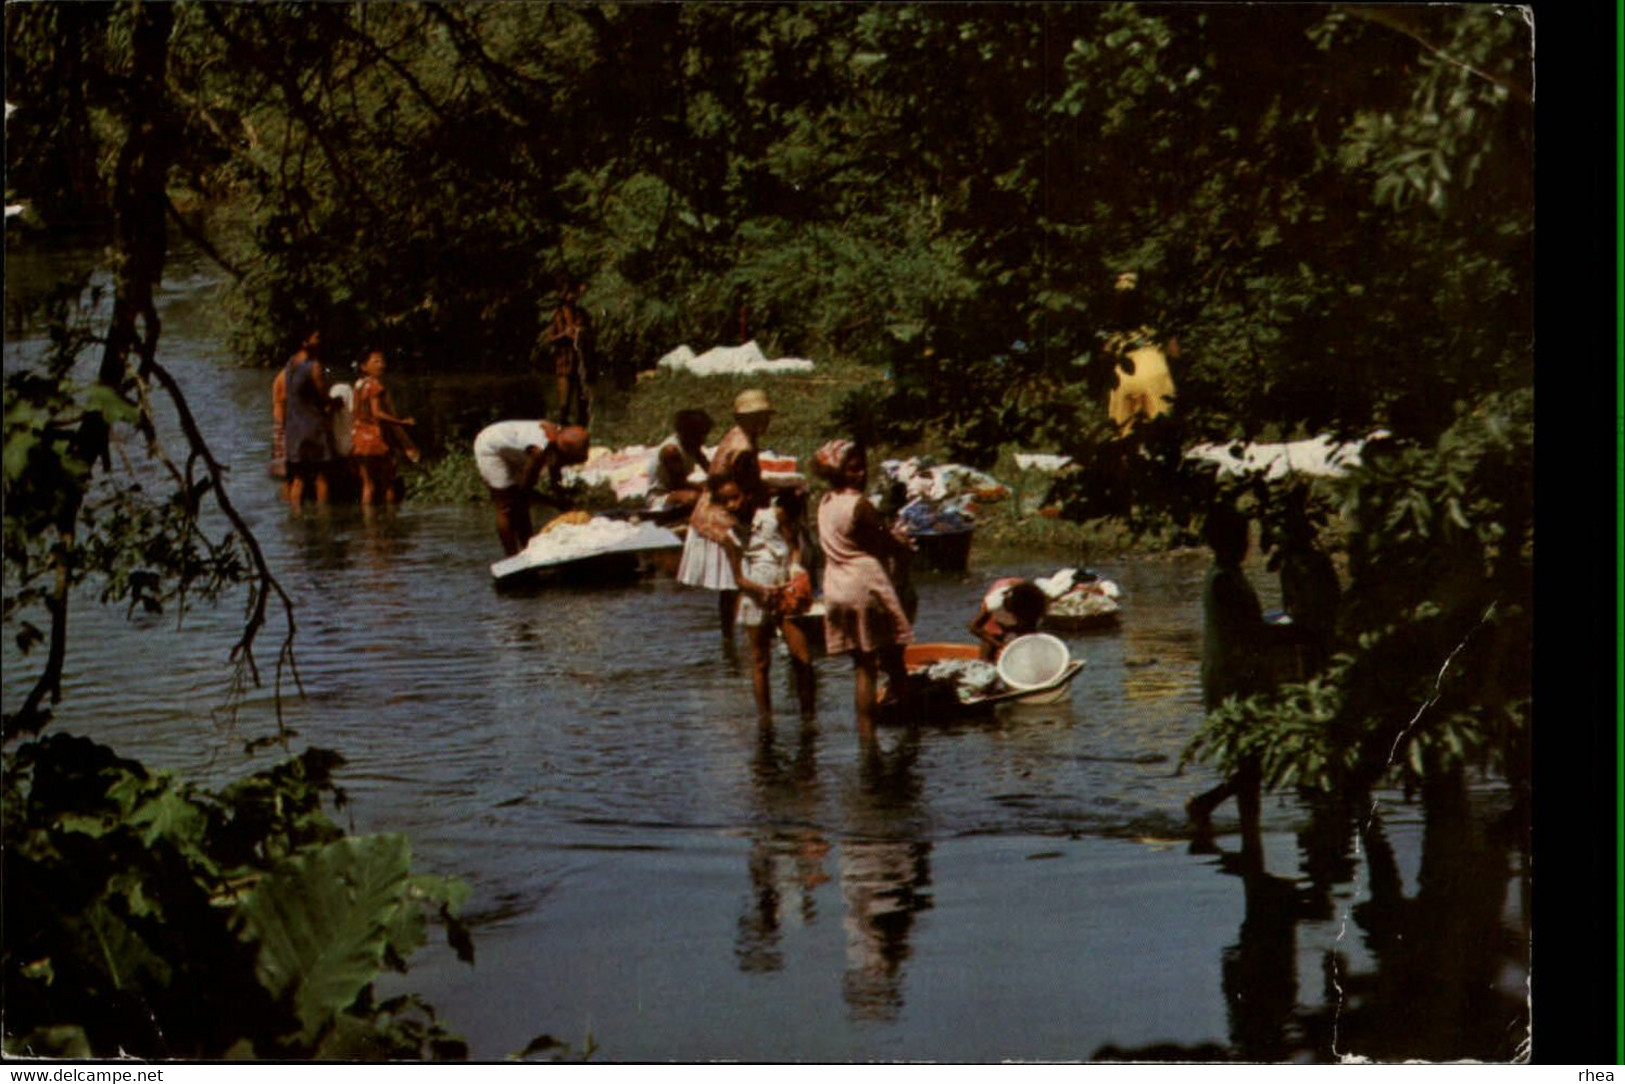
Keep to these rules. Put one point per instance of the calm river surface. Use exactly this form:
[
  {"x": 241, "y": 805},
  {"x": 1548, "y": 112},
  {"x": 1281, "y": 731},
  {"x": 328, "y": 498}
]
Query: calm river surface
[{"x": 652, "y": 869}]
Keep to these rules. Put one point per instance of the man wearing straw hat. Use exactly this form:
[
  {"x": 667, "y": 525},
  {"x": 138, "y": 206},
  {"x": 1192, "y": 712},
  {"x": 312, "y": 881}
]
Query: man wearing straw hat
[{"x": 705, "y": 560}]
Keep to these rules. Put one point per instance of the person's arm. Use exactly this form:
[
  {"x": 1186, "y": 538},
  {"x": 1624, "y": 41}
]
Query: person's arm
[
  {"x": 383, "y": 409},
  {"x": 880, "y": 538},
  {"x": 556, "y": 495},
  {"x": 985, "y": 629},
  {"x": 397, "y": 435},
  {"x": 536, "y": 458},
  {"x": 279, "y": 397}
]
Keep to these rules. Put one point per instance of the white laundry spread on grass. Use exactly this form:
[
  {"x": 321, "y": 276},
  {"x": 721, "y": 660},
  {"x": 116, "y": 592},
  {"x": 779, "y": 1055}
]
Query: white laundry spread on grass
[
  {"x": 1041, "y": 461},
  {"x": 1320, "y": 456},
  {"x": 730, "y": 361},
  {"x": 943, "y": 481},
  {"x": 630, "y": 471}
]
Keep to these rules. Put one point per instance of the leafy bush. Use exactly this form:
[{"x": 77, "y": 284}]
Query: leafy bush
[
  {"x": 150, "y": 917},
  {"x": 1437, "y": 623}
]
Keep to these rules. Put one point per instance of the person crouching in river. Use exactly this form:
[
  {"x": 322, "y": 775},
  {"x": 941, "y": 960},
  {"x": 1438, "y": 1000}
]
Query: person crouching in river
[
  {"x": 1012, "y": 607},
  {"x": 371, "y": 447},
  {"x": 705, "y": 560},
  {"x": 676, "y": 460},
  {"x": 511, "y": 457},
  {"x": 863, "y": 615}
]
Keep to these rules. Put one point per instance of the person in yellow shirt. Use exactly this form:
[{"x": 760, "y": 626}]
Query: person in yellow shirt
[{"x": 1143, "y": 388}]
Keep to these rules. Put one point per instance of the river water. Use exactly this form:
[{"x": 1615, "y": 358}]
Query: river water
[{"x": 655, "y": 873}]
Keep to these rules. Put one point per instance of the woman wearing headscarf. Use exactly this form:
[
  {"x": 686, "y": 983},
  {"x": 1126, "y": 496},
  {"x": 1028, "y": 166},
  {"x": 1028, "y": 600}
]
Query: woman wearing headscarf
[{"x": 863, "y": 615}]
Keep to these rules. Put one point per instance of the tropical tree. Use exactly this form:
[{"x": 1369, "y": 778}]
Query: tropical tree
[{"x": 146, "y": 916}]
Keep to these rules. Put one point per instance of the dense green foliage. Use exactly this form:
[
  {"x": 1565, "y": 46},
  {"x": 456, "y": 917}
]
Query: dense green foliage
[
  {"x": 1437, "y": 623},
  {"x": 149, "y": 916},
  {"x": 145, "y": 916}
]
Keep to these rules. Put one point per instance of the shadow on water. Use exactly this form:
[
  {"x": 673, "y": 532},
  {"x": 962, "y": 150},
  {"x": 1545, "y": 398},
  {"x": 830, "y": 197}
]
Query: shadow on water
[{"x": 1445, "y": 979}]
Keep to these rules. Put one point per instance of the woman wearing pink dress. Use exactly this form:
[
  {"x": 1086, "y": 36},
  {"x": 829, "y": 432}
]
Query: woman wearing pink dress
[{"x": 863, "y": 615}]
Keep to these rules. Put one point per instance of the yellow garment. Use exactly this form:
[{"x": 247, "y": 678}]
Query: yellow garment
[
  {"x": 568, "y": 519},
  {"x": 1144, "y": 393}
]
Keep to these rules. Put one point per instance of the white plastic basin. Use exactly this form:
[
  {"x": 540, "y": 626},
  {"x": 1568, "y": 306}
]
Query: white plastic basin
[{"x": 1031, "y": 662}]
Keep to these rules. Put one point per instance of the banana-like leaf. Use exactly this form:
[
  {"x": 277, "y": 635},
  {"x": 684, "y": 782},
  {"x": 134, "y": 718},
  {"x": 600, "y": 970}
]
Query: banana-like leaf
[{"x": 323, "y": 923}]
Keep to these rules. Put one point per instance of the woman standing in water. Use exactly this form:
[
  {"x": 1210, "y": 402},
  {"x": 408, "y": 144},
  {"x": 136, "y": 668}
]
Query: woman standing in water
[
  {"x": 705, "y": 557},
  {"x": 862, "y": 614},
  {"x": 305, "y": 407}
]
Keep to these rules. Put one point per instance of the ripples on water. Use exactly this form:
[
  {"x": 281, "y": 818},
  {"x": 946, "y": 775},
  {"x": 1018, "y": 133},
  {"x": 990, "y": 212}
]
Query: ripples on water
[{"x": 589, "y": 760}]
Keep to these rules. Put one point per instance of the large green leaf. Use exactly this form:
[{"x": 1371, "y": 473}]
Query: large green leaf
[{"x": 323, "y": 920}]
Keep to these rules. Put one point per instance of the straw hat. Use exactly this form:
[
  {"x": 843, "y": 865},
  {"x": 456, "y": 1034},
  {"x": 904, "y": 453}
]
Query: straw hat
[{"x": 752, "y": 401}]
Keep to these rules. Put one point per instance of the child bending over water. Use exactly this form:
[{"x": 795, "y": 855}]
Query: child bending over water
[
  {"x": 1012, "y": 608},
  {"x": 863, "y": 615}
]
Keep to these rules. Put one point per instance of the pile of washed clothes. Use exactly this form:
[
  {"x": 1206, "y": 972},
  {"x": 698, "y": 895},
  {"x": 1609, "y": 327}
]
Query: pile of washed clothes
[
  {"x": 968, "y": 679},
  {"x": 577, "y": 534},
  {"x": 940, "y": 498},
  {"x": 1079, "y": 593}
]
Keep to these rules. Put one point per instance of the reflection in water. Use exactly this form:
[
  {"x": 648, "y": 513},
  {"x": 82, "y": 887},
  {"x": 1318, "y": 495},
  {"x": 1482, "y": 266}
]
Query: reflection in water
[
  {"x": 1446, "y": 976},
  {"x": 787, "y": 851},
  {"x": 885, "y": 870},
  {"x": 1260, "y": 975},
  {"x": 1446, "y": 948},
  {"x": 883, "y": 864}
]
